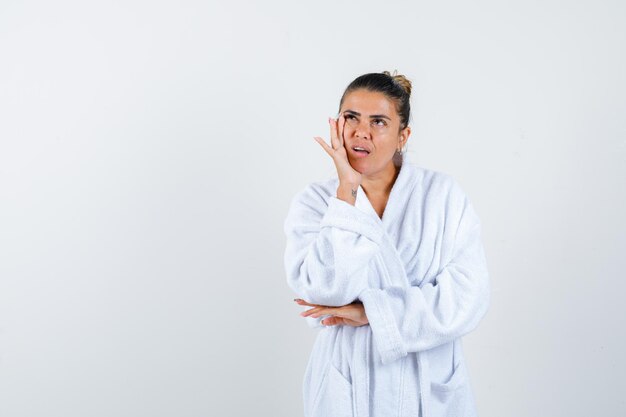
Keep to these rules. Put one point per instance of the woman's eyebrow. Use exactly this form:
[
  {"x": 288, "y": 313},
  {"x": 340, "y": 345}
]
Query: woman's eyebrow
[{"x": 373, "y": 116}]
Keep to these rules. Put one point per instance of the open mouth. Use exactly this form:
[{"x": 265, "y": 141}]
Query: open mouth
[{"x": 360, "y": 151}]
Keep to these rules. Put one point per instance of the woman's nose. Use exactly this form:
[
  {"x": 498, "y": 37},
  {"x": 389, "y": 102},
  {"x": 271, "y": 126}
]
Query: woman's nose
[{"x": 362, "y": 131}]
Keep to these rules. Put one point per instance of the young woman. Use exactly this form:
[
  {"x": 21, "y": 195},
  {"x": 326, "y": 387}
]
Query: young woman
[{"x": 389, "y": 258}]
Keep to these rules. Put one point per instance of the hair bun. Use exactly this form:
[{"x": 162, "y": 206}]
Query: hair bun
[{"x": 401, "y": 80}]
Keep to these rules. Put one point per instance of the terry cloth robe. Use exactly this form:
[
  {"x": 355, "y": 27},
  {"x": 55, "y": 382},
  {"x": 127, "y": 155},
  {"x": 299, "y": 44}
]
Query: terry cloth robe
[{"x": 421, "y": 275}]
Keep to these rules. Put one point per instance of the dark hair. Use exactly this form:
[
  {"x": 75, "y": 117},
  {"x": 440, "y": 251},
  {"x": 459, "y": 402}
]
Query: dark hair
[{"x": 394, "y": 86}]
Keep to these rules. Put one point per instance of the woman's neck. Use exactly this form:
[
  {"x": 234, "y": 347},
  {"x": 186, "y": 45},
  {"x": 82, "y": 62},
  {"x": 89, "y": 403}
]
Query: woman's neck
[{"x": 381, "y": 182}]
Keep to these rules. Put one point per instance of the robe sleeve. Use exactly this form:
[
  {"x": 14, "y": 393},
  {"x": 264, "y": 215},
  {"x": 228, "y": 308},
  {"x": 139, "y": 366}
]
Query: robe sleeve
[
  {"x": 329, "y": 249},
  {"x": 417, "y": 318}
]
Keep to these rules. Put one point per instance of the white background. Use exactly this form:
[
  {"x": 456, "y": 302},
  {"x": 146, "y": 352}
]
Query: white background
[{"x": 149, "y": 150}]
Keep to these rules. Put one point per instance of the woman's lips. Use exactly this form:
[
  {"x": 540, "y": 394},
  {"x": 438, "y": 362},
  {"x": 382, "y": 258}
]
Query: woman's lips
[{"x": 360, "y": 154}]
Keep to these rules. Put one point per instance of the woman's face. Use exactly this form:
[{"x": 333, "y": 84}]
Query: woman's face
[{"x": 373, "y": 123}]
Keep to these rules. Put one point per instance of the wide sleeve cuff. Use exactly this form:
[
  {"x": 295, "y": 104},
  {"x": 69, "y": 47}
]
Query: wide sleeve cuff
[
  {"x": 346, "y": 216},
  {"x": 387, "y": 338},
  {"x": 314, "y": 322}
]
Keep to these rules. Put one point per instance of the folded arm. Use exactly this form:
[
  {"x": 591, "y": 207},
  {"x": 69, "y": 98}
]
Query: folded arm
[
  {"x": 329, "y": 249},
  {"x": 413, "y": 318}
]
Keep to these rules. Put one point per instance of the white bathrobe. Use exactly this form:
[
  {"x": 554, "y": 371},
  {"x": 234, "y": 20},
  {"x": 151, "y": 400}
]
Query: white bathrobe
[{"x": 421, "y": 275}]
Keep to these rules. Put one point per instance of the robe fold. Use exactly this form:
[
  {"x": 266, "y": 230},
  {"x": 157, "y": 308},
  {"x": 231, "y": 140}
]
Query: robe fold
[{"x": 422, "y": 277}]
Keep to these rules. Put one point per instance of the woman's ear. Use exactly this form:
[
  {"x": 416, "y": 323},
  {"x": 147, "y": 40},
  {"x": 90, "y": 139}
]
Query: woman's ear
[{"x": 404, "y": 136}]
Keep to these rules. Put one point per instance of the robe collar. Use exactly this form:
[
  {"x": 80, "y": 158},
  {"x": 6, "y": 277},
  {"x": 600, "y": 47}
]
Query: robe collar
[
  {"x": 397, "y": 196},
  {"x": 400, "y": 193}
]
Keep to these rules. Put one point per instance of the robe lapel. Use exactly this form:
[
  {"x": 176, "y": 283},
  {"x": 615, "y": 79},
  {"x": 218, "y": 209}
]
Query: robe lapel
[
  {"x": 364, "y": 204},
  {"x": 396, "y": 275},
  {"x": 394, "y": 211},
  {"x": 397, "y": 198},
  {"x": 394, "y": 268}
]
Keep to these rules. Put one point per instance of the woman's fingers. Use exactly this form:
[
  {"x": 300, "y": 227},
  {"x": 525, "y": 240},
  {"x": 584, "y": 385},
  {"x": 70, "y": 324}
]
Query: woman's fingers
[
  {"x": 304, "y": 302},
  {"x": 334, "y": 321},
  {"x": 333, "y": 133},
  {"x": 321, "y": 311},
  {"x": 331, "y": 321},
  {"x": 337, "y": 151},
  {"x": 313, "y": 311},
  {"x": 341, "y": 122},
  {"x": 350, "y": 315},
  {"x": 322, "y": 142}
]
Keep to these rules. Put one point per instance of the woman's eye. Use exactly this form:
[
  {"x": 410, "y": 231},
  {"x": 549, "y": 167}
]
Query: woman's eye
[
  {"x": 380, "y": 122},
  {"x": 351, "y": 119}
]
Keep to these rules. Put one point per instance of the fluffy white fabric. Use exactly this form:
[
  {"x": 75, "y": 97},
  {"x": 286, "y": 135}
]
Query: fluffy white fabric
[{"x": 420, "y": 272}]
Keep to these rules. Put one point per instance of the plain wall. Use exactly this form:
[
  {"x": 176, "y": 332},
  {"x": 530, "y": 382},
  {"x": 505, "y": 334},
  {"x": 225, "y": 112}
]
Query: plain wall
[{"x": 149, "y": 151}]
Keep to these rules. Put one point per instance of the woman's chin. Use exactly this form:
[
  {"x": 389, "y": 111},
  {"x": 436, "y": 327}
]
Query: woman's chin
[
  {"x": 364, "y": 167},
  {"x": 358, "y": 164}
]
